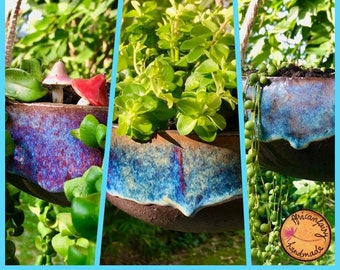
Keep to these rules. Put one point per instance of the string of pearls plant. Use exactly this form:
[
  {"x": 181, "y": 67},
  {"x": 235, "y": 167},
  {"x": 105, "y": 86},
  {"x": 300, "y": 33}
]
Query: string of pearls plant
[{"x": 271, "y": 196}]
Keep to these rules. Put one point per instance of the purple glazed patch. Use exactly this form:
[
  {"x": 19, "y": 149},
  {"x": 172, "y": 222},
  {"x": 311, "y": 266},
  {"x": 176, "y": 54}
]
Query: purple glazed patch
[{"x": 46, "y": 152}]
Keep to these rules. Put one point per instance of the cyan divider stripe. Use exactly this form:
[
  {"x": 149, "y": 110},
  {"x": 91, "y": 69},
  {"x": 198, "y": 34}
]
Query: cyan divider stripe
[
  {"x": 241, "y": 132},
  {"x": 109, "y": 128}
]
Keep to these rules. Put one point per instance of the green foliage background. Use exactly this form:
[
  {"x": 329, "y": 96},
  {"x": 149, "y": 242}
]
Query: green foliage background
[
  {"x": 292, "y": 31},
  {"x": 79, "y": 32}
]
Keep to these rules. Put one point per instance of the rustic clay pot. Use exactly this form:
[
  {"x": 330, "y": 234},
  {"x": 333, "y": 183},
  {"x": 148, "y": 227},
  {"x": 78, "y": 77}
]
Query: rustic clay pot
[
  {"x": 227, "y": 216},
  {"x": 297, "y": 127},
  {"x": 46, "y": 154},
  {"x": 178, "y": 182}
]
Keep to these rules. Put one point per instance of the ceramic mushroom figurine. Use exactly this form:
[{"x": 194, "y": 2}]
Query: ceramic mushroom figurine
[
  {"x": 57, "y": 79},
  {"x": 92, "y": 91}
]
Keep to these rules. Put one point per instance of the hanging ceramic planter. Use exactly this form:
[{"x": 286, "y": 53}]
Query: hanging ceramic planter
[
  {"x": 46, "y": 154},
  {"x": 178, "y": 182},
  {"x": 297, "y": 126}
]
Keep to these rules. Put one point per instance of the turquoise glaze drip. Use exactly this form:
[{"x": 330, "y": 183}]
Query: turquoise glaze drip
[
  {"x": 184, "y": 177},
  {"x": 298, "y": 110}
]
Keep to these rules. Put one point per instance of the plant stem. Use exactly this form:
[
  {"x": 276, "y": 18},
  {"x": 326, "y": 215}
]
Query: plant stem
[
  {"x": 11, "y": 33},
  {"x": 247, "y": 25}
]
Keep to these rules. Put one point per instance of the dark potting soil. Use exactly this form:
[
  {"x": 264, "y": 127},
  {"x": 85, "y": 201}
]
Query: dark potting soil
[
  {"x": 70, "y": 96},
  {"x": 295, "y": 71}
]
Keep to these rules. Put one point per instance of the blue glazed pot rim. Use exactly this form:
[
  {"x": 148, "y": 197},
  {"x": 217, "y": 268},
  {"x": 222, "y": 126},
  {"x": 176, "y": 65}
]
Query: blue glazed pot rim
[{"x": 296, "y": 113}]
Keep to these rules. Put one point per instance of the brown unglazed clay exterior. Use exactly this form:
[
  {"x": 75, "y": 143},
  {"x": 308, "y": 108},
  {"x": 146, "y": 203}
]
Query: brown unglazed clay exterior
[{"x": 227, "y": 216}]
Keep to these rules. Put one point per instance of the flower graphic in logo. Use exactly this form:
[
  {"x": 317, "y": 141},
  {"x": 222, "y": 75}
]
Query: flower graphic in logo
[{"x": 289, "y": 233}]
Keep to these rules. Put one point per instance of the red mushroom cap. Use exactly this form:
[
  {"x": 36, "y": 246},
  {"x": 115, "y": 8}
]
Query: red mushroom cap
[{"x": 92, "y": 89}]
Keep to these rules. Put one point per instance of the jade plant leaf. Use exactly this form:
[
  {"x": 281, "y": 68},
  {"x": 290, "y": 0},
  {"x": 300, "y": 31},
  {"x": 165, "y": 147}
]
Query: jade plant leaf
[
  {"x": 101, "y": 135},
  {"x": 23, "y": 86},
  {"x": 85, "y": 211},
  {"x": 90, "y": 132},
  {"x": 85, "y": 185}
]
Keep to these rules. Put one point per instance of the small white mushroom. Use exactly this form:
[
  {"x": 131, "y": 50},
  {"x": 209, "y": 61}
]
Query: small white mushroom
[
  {"x": 57, "y": 79},
  {"x": 83, "y": 101}
]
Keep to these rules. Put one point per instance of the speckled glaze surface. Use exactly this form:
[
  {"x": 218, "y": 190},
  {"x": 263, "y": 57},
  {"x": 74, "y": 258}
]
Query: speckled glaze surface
[
  {"x": 298, "y": 110},
  {"x": 175, "y": 171},
  {"x": 46, "y": 153},
  {"x": 297, "y": 127}
]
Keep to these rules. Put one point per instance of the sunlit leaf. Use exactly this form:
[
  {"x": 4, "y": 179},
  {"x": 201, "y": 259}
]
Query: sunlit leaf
[
  {"x": 185, "y": 124},
  {"x": 23, "y": 86}
]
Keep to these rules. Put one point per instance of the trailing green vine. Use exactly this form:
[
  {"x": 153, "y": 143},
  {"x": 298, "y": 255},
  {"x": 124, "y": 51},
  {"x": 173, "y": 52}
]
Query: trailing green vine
[
  {"x": 14, "y": 223},
  {"x": 272, "y": 196},
  {"x": 15, "y": 216},
  {"x": 70, "y": 232}
]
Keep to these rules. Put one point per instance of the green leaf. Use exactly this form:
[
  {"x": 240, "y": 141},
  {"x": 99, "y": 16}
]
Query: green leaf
[
  {"x": 288, "y": 22},
  {"x": 83, "y": 186},
  {"x": 70, "y": 186},
  {"x": 33, "y": 67},
  {"x": 205, "y": 129},
  {"x": 85, "y": 213},
  {"x": 218, "y": 120},
  {"x": 76, "y": 255},
  {"x": 195, "y": 54},
  {"x": 188, "y": 106},
  {"x": 193, "y": 81},
  {"x": 23, "y": 86},
  {"x": 123, "y": 127},
  {"x": 10, "y": 144},
  {"x": 185, "y": 124},
  {"x": 208, "y": 66},
  {"x": 75, "y": 133},
  {"x": 101, "y": 135},
  {"x": 219, "y": 51},
  {"x": 191, "y": 43},
  {"x": 87, "y": 130},
  {"x": 61, "y": 244},
  {"x": 44, "y": 230},
  {"x": 213, "y": 101},
  {"x": 30, "y": 39},
  {"x": 142, "y": 125},
  {"x": 65, "y": 224},
  {"x": 200, "y": 30}
]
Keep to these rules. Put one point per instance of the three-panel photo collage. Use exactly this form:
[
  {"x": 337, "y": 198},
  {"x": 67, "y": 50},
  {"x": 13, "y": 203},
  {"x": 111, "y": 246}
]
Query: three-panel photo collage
[{"x": 168, "y": 133}]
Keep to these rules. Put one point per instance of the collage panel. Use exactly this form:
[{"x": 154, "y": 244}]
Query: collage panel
[
  {"x": 180, "y": 132},
  {"x": 288, "y": 71},
  {"x": 57, "y": 81},
  {"x": 174, "y": 185}
]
